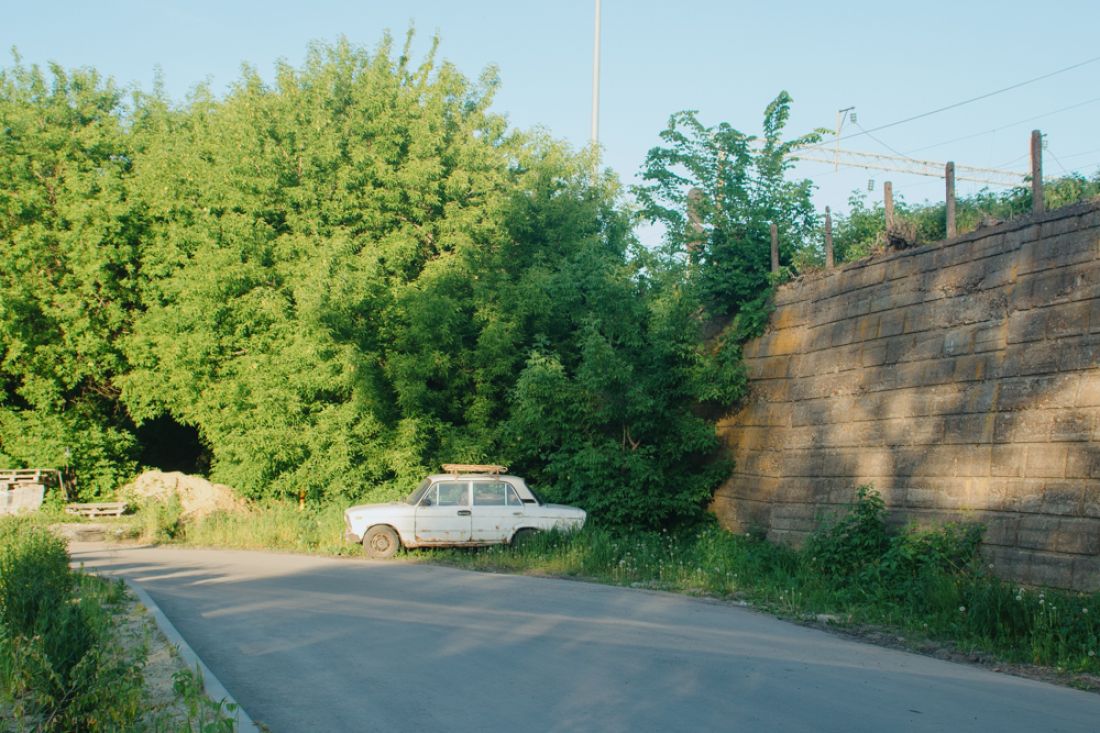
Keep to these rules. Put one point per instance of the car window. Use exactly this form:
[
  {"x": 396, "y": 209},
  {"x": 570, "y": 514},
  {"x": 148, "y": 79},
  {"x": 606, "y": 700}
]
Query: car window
[
  {"x": 451, "y": 493},
  {"x": 490, "y": 493},
  {"x": 512, "y": 497}
]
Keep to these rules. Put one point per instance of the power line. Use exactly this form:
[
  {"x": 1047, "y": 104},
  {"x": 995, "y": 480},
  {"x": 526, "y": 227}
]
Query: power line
[
  {"x": 1051, "y": 154},
  {"x": 880, "y": 142},
  {"x": 1005, "y": 127},
  {"x": 969, "y": 101},
  {"x": 1084, "y": 152}
]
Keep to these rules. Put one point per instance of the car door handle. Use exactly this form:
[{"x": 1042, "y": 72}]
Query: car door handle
[
  {"x": 463, "y": 512},
  {"x": 517, "y": 514}
]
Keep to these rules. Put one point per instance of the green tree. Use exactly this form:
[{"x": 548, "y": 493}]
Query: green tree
[
  {"x": 716, "y": 191},
  {"x": 68, "y": 272},
  {"x": 307, "y": 311}
]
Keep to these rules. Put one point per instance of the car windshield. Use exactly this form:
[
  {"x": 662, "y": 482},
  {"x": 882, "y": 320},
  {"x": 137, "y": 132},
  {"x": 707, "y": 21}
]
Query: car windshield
[
  {"x": 414, "y": 497},
  {"x": 538, "y": 498}
]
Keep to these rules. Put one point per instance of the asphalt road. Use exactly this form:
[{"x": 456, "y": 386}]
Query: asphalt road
[{"x": 316, "y": 644}]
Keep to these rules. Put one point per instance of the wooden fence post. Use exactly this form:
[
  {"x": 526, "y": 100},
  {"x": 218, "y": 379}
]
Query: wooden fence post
[
  {"x": 949, "y": 175},
  {"x": 775, "y": 248},
  {"x": 888, "y": 204},
  {"x": 828, "y": 238},
  {"x": 1037, "y": 204}
]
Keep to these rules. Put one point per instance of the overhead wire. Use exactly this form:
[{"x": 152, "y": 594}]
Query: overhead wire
[
  {"x": 1050, "y": 152},
  {"x": 1005, "y": 127},
  {"x": 980, "y": 97},
  {"x": 880, "y": 142}
]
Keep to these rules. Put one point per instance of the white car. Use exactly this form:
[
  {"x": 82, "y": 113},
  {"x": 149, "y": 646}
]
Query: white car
[{"x": 468, "y": 506}]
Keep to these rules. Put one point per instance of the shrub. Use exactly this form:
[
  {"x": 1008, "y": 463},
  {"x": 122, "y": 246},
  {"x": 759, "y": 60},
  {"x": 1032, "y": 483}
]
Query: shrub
[
  {"x": 854, "y": 542},
  {"x": 58, "y": 664},
  {"x": 35, "y": 580}
]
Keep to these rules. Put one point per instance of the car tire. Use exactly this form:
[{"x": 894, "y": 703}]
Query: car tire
[
  {"x": 381, "y": 542},
  {"x": 523, "y": 537}
]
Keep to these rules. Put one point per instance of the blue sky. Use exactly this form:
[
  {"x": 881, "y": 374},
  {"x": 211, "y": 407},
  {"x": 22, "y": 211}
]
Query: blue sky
[{"x": 725, "y": 59}]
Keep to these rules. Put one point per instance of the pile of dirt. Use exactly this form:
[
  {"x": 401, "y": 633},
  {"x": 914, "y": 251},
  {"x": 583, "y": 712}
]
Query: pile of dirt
[{"x": 197, "y": 496}]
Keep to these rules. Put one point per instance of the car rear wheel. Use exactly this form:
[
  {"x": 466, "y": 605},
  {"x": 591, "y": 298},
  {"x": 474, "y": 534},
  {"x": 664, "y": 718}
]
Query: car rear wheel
[{"x": 381, "y": 542}]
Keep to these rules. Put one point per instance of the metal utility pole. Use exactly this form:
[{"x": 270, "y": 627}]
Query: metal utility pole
[
  {"x": 841, "y": 114},
  {"x": 596, "y": 87}
]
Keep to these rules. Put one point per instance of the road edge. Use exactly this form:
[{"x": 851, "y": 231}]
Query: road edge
[{"x": 212, "y": 685}]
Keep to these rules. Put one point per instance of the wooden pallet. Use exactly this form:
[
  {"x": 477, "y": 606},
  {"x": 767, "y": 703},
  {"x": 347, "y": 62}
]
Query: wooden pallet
[
  {"x": 101, "y": 509},
  {"x": 40, "y": 476}
]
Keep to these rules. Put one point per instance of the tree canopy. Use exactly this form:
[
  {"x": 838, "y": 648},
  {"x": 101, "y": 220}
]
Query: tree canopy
[{"x": 338, "y": 280}]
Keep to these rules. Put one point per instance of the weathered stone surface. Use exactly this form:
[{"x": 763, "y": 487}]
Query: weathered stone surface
[
  {"x": 962, "y": 380},
  {"x": 21, "y": 498}
]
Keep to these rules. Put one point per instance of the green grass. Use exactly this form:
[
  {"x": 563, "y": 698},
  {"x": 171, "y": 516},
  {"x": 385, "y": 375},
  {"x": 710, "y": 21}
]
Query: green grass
[{"x": 265, "y": 526}]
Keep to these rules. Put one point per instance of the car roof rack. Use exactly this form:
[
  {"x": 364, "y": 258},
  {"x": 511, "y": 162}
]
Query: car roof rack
[{"x": 457, "y": 468}]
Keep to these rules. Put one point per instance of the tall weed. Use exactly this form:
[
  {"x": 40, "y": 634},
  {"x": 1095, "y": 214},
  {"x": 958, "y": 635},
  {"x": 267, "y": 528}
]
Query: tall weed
[{"x": 58, "y": 665}]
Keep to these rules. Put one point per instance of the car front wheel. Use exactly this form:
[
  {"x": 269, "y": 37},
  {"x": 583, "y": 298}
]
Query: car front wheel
[
  {"x": 381, "y": 542},
  {"x": 523, "y": 537}
]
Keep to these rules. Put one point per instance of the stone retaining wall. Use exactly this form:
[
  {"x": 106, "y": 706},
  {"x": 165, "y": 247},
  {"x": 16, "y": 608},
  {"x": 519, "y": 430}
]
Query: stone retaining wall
[{"x": 961, "y": 379}]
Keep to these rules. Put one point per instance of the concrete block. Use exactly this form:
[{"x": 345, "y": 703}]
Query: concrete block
[
  {"x": 992, "y": 245},
  {"x": 25, "y": 498},
  {"x": 1037, "y": 532},
  {"x": 1069, "y": 319},
  {"x": 958, "y": 341},
  {"x": 945, "y": 399},
  {"x": 784, "y": 343},
  {"x": 1008, "y": 460},
  {"x": 1029, "y": 426},
  {"x": 1016, "y": 238},
  {"x": 1020, "y": 495},
  {"x": 802, "y": 463},
  {"x": 1045, "y": 461},
  {"x": 1083, "y": 461},
  {"x": 837, "y": 463},
  {"x": 841, "y": 332},
  {"x": 1033, "y": 393},
  {"x": 1001, "y": 529},
  {"x": 926, "y": 346},
  {"x": 976, "y": 367},
  {"x": 937, "y": 461},
  {"x": 1059, "y": 227},
  {"x": 1058, "y": 285},
  {"x": 901, "y": 267},
  {"x": 1062, "y": 498},
  {"x": 969, "y": 429},
  {"x": 1074, "y": 425},
  {"x": 773, "y": 367},
  {"x": 978, "y": 396},
  {"x": 973, "y": 461},
  {"x": 1026, "y": 326},
  {"x": 1029, "y": 359},
  {"x": 1088, "y": 389},
  {"x": 991, "y": 338},
  {"x": 1094, "y": 315},
  {"x": 919, "y": 318},
  {"x": 1078, "y": 353},
  {"x": 1078, "y": 536},
  {"x": 1086, "y": 574}
]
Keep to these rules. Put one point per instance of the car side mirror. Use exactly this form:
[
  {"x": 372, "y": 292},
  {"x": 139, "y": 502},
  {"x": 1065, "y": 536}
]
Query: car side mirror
[{"x": 426, "y": 502}]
